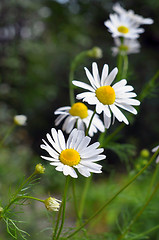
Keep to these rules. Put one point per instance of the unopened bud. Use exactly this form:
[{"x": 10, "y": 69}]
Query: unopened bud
[
  {"x": 95, "y": 52},
  {"x": 39, "y": 169},
  {"x": 145, "y": 153},
  {"x": 20, "y": 120},
  {"x": 52, "y": 204}
]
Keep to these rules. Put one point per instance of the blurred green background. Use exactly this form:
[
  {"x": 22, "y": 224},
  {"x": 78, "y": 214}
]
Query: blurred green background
[{"x": 38, "y": 41}]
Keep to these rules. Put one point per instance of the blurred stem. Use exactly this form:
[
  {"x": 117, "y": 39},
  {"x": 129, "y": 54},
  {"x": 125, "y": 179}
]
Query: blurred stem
[
  {"x": 87, "y": 131},
  {"x": 75, "y": 63},
  {"x": 64, "y": 207},
  {"x": 115, "y": 195},
  {"x": 144, "y": 233},
  {"x": 83, "y": 198},
  {"x": 153, "y": 179},
  {"x": 9, "y": 131},
  {"x": 139, "y": 213},
  {"x": 125, "y": 66},
  {"x": 119, "y": 66},
  {"x": 74, "y": 197},
  {"x": 146, "y": 89},
  {"x": 111, "y": 136}
]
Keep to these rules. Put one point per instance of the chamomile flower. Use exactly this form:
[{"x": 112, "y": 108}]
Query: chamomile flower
[
  {"x": 123, "y": 26},
  {"x": 20, "y": 120},
  {"x": 128, "y": 46},
  {"x": 138, "y": 20},
  {"x": 67, "y": 156},
  {"x": 154, "y": 150},
  {"x": 108, "y": 98},
  {"x": 80, "y": 114}
]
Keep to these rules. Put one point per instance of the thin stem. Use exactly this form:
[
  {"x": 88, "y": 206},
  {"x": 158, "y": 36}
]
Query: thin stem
[
  {"x": 125, "y": 66},
  {"x": 64, "y": 207},
  {"x": 22, "y": 197},
  {"x": 10, "y": 130},
  {"x": 74, "y": 198},
  {"x": 144, "y": 233},
  {"x": 87, "y": 131},
  {"x": 153, "y": 179},
  {"x": 83, "y": 198},
  {"x": 115, "y": 195},
  {"x": 119, "y": 65},
  {"x": 71, "y": 89},
  {"x": 139, "y": 213}
]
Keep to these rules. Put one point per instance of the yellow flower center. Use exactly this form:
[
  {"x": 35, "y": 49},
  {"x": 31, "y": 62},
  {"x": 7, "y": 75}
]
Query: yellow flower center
[
  {"x": 70, "y": 157},
  {"x": 79, "y": 109},
  {"x": 106, "y": 95},
  {"x": 123, "y": 29}
]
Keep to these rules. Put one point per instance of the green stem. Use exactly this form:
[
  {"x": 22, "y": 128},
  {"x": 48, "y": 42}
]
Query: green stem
[
  {"x": 125, "y": 66},
  {"x": 119, "y": 66},
  {"x": 10, "y": 130},
  {"x": 144, "y": 233},
  {"x": 22, "y": 197},
  {"x": 153, "y": 179},
  {"x": 74, "y": 198},
  {"x": 115, "y": 195},
  {"x": 87, "y": 131},
  {"x": 64, "y": 207},
  {"x": 83, "y": 198},
  {"x": 139, "y": 213}
]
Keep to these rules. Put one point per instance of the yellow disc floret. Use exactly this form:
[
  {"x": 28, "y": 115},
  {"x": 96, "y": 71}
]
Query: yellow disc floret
[
  {"x": 70, "y": 157},
  {"x": 79, "y": 109},
  {"x": 106, "y": 95},
  {"x": 123, "y": 29}
]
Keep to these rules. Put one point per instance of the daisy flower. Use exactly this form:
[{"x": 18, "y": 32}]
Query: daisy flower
[
  {"x": 128, "y": 46},
  {"x": 154, "y": 150},
  {"x": 67, "y": 156},
  {"x": 122, "y": 26},
  {"x": 139, "y": 20},
  {"x": 108, "y": 98},
  {"x": 80, "y": 114}
]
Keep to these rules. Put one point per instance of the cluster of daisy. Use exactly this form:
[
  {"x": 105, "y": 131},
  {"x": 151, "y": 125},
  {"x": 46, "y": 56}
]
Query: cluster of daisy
[
  {"x": 125, "y": 28},
  {"x": 108, "y": 98}
]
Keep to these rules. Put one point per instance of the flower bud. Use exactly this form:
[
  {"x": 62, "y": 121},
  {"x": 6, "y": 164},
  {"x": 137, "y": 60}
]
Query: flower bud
[
  {"x": 52, "y": 204},
  {"x": 39, "y": 169},
  {"x": 145, "y": 153},
  {"x": 1, "y": 210},
  {"x": 20, "y": 120},
  {"x": 95, "y": 52}
]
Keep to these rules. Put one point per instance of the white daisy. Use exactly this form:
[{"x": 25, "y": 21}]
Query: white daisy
[
  {"x": 128, "y": 46},
  {"x": 80, "y": 114},
  {"x": 123, "y": 26},
  {"x": 105, "y": 97},
  {"x": 154, "y": 150},
  {"x": 73, "y": 154},
  {"x": 139, "y": 20}
]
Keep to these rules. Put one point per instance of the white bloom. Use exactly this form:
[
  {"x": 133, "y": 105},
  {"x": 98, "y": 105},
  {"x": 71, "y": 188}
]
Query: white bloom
[
  {"x": 138, "y": 20},
  {"x": 123, "y": 26},
  {"x": 128, "y": 46},
  {"x": 73, "y": 154},
  {"x": 20, "y": 120},
  {"x": 52, "y": 204},
  {"x": 105, "y": 97},
  {"x": 154, "y": 150},
  {"x": 80, "y": 114}
]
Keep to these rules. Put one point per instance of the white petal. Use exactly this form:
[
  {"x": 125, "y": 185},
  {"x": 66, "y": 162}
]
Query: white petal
[
  {"x": 85, "y": 94},
  {"x": 119, "y": 84},
  {"x": 96, "y": 74},
  {"x": 104, "y": 74},
  {"x": 61, "y": 140},
  {"x": 50, "y": 159},
  {"x": 127, "y": 107},
  {"x": 118, "y": 114},
  {"x": 107, "y": 120},
  {"x": 90, "y": 77},
  {"x": 84, "y": 171},
  {"x": 83, "y": 144},
  {"x": 59, "y": 119},
  {"x": 83, "y": 85},
  {"x": 92, "y": 147},
  {"x": 111, "y": 77},
  {"x": 90, "y": 154},
  {"x": 99, "y": 107}
]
